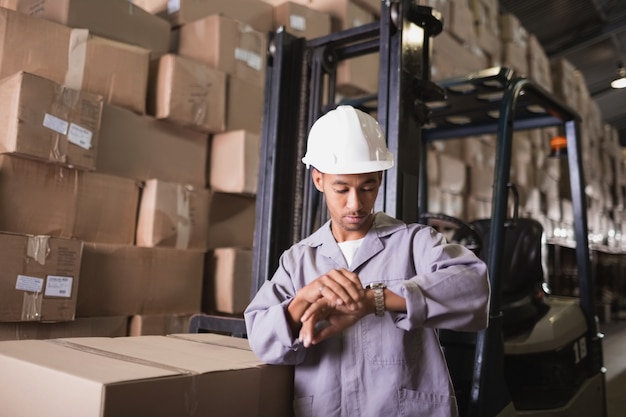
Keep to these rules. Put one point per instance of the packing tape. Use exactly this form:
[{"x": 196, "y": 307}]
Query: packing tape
[
  {"x": 77, "y": 56},
  {"x": 38, "y": 248},
  {"x": 191, "y": 393},
  {"x": 183, "y": 217},
  {"x": 31, "y": 306}
]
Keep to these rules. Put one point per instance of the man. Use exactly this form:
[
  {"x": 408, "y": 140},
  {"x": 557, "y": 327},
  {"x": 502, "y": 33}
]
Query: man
[{"x": 355, "y": 306}]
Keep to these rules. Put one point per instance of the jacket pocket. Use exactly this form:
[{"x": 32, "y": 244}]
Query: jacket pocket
[
  {"x": 417, "y": 404},
  {"x": 385, "y": 344}
]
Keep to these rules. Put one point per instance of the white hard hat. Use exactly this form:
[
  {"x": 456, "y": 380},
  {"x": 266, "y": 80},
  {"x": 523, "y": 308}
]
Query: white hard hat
[{"x": 347, "y": 141}]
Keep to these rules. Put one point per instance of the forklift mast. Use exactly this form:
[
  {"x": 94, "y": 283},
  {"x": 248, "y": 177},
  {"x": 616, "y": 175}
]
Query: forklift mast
[{"x": 300, "y": 86}]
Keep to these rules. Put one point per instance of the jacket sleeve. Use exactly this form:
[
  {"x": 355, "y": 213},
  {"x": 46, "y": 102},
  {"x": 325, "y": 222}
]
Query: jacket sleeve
[
  {"x": 269, "y": 333},
  {"x": 451, "y": 287}
]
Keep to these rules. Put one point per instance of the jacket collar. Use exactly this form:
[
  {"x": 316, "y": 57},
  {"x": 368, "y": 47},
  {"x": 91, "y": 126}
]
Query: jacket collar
[{"x": 382, "y": 226}]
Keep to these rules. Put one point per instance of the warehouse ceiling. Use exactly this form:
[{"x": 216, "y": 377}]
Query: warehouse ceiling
[{"x": 591, "y": 34}]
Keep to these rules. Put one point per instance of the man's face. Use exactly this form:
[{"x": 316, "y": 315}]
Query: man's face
[{"x": 350, "y": 200}]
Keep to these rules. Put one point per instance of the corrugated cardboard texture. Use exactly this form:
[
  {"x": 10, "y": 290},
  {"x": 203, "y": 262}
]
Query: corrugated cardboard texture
[
  {"x": 73, "y": 57},
  {"x": 142, "y": 148},
  {"x": 113, "y": 19},
  {"x": 227, "y": 280},
  {"x": 226, "y": 44},
  {"x": 44, "y": 199},
  {"x": 188, "y": 93},
  {"x": 116, "y": 326},
  {"x": 38, "y": 277},
  {"x": 173, "y": 215},
  {"x": 45, "y": 120},
  {"x": 234, "y": 163},
  {"x": 255, "y": 13},
  {"x": 128, "y": 280}
]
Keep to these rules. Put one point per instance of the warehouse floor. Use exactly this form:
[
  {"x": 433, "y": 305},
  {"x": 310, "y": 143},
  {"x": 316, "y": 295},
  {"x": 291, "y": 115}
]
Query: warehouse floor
[{"x": 615, "y": 363}]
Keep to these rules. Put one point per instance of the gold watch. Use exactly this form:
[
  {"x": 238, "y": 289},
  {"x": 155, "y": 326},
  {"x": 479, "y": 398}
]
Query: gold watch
[{"x": 379, "y": 297}]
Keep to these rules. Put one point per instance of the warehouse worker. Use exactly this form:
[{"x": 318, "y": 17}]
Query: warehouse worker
[{"x": 355, "y": 306}]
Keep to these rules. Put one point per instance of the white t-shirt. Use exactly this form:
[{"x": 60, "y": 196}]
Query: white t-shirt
[{"x": 349, "y": 248}]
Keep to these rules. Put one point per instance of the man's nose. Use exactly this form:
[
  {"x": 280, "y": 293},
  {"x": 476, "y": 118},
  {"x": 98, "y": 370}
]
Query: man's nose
[{"x": 354, "y": 201}]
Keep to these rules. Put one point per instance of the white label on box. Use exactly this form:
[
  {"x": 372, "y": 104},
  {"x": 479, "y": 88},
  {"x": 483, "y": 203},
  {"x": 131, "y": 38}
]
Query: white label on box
[
  {"x": 57, "y": 286},
  {"x": 173, "y": 6},
  {"x": 55, "y": 123},
  {"x": 297, "y": 22},
  {"x": 79, "y": 136},
  {"x": 30, "y": 284},
  {"x": 253, "y": 60}
]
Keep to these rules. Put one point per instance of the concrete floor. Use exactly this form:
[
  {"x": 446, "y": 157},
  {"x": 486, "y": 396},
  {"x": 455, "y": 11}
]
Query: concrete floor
[{"x": 614, "y": 346}]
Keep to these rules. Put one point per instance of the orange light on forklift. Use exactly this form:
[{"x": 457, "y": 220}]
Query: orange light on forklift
[{"x": 558, "y": 146}]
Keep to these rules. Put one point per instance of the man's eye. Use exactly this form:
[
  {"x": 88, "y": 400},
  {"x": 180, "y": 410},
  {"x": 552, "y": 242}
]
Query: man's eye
[{"x": 343, "y": 191}]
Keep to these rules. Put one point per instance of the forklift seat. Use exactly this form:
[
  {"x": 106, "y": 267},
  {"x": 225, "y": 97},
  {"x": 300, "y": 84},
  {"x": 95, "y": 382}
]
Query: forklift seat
[{"x": 523, "y": 302}]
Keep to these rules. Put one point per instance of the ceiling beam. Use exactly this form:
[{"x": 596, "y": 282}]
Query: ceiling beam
[{"x": 608, "y": 30}]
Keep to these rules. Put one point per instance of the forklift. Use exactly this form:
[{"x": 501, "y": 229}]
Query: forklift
[{"x": 540, "y": 355}]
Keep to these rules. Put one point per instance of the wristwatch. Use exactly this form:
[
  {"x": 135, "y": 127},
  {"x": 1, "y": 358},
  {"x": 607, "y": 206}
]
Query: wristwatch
[{"x": 379, "y": 297}]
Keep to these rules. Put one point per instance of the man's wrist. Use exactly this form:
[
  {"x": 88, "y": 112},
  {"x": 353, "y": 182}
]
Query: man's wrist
[{"x": 377, "y": 291}]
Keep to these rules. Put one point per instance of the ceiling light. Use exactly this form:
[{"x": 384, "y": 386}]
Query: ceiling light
[{"x": 621, "y": 81}]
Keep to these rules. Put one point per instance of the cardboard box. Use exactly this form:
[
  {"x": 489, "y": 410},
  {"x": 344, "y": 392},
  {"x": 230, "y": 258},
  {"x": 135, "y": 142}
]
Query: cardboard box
[
  {"x": 143, "y": 148},
  {"x": 234, "y": 162},
  {"x": 228, "y": 280},
  {"x": 38, "y": 277},
  {"x": 129, "y": 280},
  {"x": 173, "y": 215},
  {"x": 45, "y": 120},
  {"x": 106, "y": 208},
  {"x": 255, "y": 13},
  {"x": 75, "y": 58},
  {"x": 113, "y": 19},
  {"x": 232, "y": 219},
  {"x": 188, "y": 93},
  {"x": 80, "y": 327},
  {"x": 158, "y": 324},
  {"x": 9, "y": 4},
  {"x": 301, "y": 20},
  {"x": 140, "y": 376},
  {"x": 225, "y": 44},
  {"x": 44, "y": 199},
  {"x": 244, "y": 105}
]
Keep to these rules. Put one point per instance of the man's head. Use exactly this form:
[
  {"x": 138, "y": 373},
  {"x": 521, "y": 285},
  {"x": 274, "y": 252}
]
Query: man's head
[{"x": 348, "y": 152}]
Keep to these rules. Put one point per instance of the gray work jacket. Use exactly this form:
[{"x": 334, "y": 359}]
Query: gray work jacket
[{"x": 381, "y": 366}]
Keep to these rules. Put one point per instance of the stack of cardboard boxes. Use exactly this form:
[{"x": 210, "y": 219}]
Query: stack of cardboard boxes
[{"x": 130, "y": 151}]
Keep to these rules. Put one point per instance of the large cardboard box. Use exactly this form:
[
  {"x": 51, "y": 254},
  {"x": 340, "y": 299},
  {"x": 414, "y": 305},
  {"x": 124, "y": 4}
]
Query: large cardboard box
[
  {"x": 113, "y": 19},
  {"x": 38, "y": 277},
  {"x": 226, "y": 44},
  {"x": 75, "y": 58},
  {"x": 80, "y": 327},
  {"x": 158, "y": 324},
  {"x": 232, "y": 219},
  {"x": 188, "y": 93},
  {"x": 106, "y": 208},
  {"x": 244, "y": 105},
  {"x": 129, "y": 280},
  {"x": 234, "y": 162},
  {"x": 44, "y": 199},
  {"x": 143, "y": 148},
  {"x": 155, "y": 376},
  {"x": 255, "y": 13},
  {"x": 45, "y": 120},
  {"x": 173, "y": 215},
  {"x": 301, "y": 20},
  {"x": 228, "y": 280}
]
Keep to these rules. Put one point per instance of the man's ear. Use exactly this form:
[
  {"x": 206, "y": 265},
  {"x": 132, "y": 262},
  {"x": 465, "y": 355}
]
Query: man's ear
[{"x": 318, "y": 179}]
